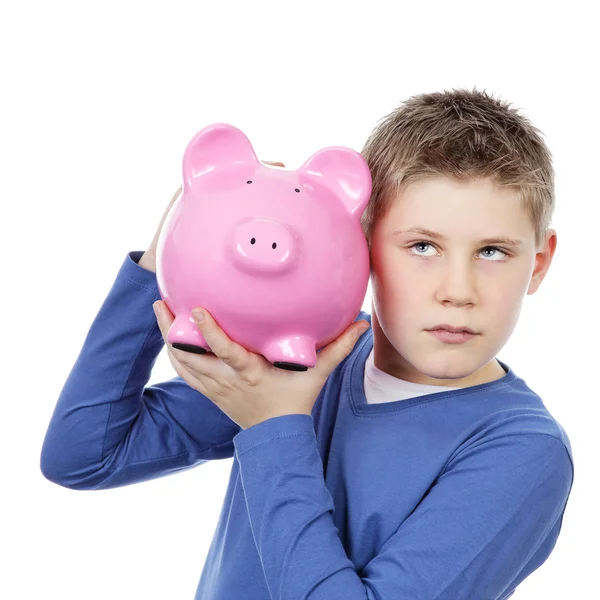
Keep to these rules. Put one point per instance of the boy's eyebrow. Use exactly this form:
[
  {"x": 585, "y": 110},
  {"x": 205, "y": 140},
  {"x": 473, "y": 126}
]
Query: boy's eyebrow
[{"x": 434, "y": 234}]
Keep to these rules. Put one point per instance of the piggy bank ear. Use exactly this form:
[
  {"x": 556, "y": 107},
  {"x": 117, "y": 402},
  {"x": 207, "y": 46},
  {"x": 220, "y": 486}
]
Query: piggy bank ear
[
  {"x": 215, "y": 145},
  {"x": 345, "y": 172}
]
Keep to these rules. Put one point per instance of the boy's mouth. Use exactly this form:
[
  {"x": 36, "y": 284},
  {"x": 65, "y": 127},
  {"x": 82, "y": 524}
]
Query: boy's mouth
[
  {"x": 452, "y": 329},
  {"x": 449, "y": 337}
]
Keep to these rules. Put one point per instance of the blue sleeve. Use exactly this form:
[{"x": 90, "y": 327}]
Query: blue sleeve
[
  {"x": 488, "y": 521},
  {"x": 108, "y": 430}
]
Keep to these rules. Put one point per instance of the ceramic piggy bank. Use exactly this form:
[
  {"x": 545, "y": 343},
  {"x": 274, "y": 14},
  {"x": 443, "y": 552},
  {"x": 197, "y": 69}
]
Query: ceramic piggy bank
[{"x": 277, "y": 257}]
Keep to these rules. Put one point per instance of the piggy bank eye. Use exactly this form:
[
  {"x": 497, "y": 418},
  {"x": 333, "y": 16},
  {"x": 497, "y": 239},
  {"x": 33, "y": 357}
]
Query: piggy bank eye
[{"x": 296, "y": 189}]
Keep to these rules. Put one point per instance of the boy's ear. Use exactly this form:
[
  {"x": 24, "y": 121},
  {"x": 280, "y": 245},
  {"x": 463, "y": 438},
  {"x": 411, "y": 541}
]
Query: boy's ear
[
  {"x": 214, "y": 145},
  {"x": 543, "y": 259}
]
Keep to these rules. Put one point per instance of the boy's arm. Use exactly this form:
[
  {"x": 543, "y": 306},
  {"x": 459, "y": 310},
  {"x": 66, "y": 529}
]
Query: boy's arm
[
  {"x": 107, "y": 429},
  {"x": 490, "y": 519}
]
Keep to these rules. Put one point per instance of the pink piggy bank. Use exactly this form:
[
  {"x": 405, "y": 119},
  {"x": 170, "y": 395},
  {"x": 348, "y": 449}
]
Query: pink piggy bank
[{"x": 278, "y": 257}]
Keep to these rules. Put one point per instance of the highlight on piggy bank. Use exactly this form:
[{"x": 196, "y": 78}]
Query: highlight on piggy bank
[{"x": 277, "y": 256}]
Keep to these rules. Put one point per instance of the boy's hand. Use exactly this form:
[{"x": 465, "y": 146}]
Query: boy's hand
[
  {"x": 148, "y": 259},
  {"x": 245, "y": 385}
]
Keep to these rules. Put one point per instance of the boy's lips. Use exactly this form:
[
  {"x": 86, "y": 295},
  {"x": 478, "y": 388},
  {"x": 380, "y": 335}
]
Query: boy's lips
[
  {"x": 449, "y": 337},
  {"x": 452, "y": 328}
]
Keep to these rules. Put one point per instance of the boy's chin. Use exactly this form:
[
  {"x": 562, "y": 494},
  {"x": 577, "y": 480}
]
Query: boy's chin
[
  {"x": 454, "y": 369},
  {"x": 450, "y": 368}
]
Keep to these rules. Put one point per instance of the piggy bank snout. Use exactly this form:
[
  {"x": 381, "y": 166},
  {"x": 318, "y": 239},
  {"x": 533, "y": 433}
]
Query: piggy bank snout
[{"x": 263, "y": 246}]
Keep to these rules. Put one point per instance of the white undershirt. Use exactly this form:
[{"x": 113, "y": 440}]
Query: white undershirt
[{"x": 382, "y": 387}]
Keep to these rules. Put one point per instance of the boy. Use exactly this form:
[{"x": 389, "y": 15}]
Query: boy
[{"x": 424, "y": 467}]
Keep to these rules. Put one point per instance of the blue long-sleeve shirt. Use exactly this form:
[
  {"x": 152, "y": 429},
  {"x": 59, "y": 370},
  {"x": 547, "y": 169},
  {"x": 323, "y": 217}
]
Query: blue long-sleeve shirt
[{"x": 452, "y": 495}]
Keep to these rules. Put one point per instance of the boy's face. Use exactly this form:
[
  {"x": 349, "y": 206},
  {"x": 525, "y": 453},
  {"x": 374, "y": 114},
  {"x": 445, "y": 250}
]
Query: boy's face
[{"x": 459, "y": 280}]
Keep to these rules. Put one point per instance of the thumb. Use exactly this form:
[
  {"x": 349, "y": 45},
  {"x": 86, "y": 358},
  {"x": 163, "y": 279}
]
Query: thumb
[{"x": 334, "y": 353}]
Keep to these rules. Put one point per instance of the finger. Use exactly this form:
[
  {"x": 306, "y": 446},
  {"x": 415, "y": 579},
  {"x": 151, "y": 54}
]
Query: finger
[
  {"x": 232, "y": 354},
  {"x": 276, "y": 163},
  {"x": 205, "y": 366},
  {"x": 164, "y": 318},
  {"x": 332, "y": 354}
]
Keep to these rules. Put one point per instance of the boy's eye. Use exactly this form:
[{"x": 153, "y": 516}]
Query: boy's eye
[
  {"x": 419, "y": 244},
  {"x": 497, "y": 250}
]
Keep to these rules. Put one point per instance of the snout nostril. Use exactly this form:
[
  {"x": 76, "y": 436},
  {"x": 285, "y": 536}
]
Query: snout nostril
[{"x": 273, "y": 245}]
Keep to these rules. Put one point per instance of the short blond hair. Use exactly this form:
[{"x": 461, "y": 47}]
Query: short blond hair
[{"x": 463, "y": 135}]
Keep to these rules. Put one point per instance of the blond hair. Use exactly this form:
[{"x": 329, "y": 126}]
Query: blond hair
[{"x": 463, "y": 135}]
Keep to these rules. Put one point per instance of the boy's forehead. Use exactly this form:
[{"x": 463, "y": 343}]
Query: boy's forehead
[
  {"x": 439, "y": 188},
  {"x": 468, "y": 209}
]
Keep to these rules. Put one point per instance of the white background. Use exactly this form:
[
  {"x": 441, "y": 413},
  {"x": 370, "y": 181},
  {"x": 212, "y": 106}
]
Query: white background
[{"x": 98, "y": 103}]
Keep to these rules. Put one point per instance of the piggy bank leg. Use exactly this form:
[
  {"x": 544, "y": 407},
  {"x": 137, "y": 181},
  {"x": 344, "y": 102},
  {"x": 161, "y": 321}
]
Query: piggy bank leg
[
  {"x": 293, "y": 353},
  {"x": 185, "y": 335}
]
